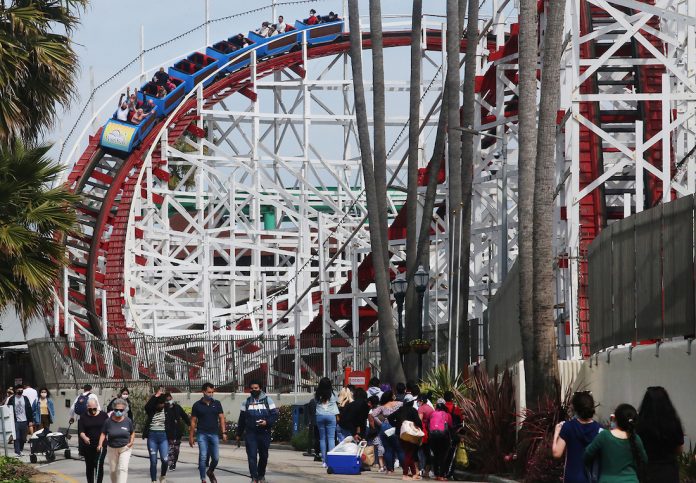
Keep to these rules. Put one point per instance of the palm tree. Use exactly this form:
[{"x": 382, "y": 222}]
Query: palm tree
[
  {"x": 33, "y": 219},
  {"x": 527, "y": 113},
  {"x": 390, "y": 362},
  {"x": 458, "y": 307},
  {"x": 469, "y": 110},
  {"x": 544, "y": 353},
  {"x": 38, "y": 65},
  {"x": 412, "y": 258}
]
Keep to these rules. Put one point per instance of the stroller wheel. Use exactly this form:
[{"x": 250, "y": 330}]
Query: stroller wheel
[
  {"x": 33, "y": 458},
  {"x": 50, "y": 457},
  {"x": 67, "y": 454}
]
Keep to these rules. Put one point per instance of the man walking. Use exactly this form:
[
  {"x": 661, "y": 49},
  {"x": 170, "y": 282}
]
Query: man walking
[
  {"x": 207, "y": 422},
  {"x": 23, "y": 416},
  {"x": 257, "y": 416},
  {"x": 79, "y": 405}
]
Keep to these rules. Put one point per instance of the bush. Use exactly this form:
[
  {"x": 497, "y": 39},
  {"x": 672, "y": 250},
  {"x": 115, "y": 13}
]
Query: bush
[
  {"x": 300, "y": 440},
  {"x": 230, "y": 429},
  {"x": 438, "y": 381},
  {"x": 282, "y": 430},
  {"x": 687, "y": 466},
  {"x": 14, "y": 471},
  {"x": 488, "y": 416}
]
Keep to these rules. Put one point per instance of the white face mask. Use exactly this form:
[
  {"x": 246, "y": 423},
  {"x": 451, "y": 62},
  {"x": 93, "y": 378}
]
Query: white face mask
[
  {"x": 124, "y": 396},
  {"x": 43, "y": 394}
]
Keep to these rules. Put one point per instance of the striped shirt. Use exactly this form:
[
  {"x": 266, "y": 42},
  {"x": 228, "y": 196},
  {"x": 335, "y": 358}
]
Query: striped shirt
[{"x": 157, "y": 423}]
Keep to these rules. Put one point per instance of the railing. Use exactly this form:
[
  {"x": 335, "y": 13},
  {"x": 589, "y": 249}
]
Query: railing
[
  {"x": 184, "y": 363},
  {"x": 641, "y": 277}
]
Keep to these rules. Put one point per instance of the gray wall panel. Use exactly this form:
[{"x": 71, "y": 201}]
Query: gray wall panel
[
  {"x": 677, "y": 272},
  {"x": 648, "y": 271},
  {"x": 624, "y": 280}
]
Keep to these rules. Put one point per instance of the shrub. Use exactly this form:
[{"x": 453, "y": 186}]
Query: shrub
[
  {"x": 300, "y": 440},
  {"x": 687, "y": 466},
  {"x": 488, "y": 416},
  {"x": 14, "y": 471},
  {"x": 438, "y": 381},
  {"x": 230, "y": 429},
  {"x": 282, "y": 430}
]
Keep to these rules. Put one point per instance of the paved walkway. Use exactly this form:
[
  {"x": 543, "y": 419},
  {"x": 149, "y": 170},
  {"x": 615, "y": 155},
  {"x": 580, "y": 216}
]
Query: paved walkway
[{"x": 284, "y": 466}]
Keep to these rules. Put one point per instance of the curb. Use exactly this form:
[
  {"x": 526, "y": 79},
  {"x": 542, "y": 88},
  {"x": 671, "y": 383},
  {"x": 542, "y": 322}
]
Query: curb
[{"x": 469, "y": 476}]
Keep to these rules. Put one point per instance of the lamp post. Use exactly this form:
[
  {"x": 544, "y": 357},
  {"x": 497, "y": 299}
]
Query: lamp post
[
  {"x": 399, "y": 287},
  {"x": 421, "y": 278}
]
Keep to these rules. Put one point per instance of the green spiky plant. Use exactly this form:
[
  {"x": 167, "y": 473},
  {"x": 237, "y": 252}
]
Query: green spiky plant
[{"x": 439, "y": 380}]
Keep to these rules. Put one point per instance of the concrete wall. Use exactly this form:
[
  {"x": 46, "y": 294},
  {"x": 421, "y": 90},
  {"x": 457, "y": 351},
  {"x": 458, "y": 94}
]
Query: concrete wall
[
  {"x": 613, "y": 378},
  {"x": 230, "y": 402}
]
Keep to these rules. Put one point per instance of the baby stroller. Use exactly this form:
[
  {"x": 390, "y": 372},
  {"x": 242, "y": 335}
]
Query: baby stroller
[{"x": 48, "y": 443}]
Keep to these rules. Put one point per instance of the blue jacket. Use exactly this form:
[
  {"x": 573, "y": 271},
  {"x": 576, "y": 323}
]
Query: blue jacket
[
  {"x": 36, "y": 408},
  {"x": 253, "y": 410}
]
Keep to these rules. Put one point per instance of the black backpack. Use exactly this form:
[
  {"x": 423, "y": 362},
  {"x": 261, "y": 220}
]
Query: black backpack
[{"x": 81, "y": 404}]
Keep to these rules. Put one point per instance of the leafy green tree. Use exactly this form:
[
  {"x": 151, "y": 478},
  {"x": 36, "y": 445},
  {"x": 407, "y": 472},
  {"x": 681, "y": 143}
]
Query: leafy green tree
[
  {"x": 38, "y": 65},
  {"x": 35, "y": 212}
]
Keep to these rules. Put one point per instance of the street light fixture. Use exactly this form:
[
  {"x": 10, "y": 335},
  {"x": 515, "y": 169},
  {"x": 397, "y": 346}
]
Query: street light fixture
[
  {"x": 421, "y": 279},
  {"x": 399, "y": 287}
]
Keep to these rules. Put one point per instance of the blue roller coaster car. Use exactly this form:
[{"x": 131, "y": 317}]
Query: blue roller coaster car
[
  {"x": 165, "y": 104},
  {"x": 125, "y": 136},
  {"x": 321, "y": 33},
  {"x": 225, "y": 50},
  {"x": 275, "y": 44},
  {"x": 193, "y": 69}
]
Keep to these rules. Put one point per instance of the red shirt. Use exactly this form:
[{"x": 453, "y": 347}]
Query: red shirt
[
  {"x": 453, "y": 409},
  {"x": 312, "y": 20}
]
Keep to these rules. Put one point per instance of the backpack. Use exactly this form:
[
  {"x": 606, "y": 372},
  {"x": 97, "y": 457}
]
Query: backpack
[
  {"x": 81, "y": 404},
  {"x": 438, "y": 423}
]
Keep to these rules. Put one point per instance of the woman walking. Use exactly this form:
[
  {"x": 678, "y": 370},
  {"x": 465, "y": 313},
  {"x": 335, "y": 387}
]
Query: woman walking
[
  {"x": 620, "y": 450},
  {"x": 119, "y": 434},
  {"x": 44, "y": 410},
  {"x": 439, "y": 438},
  {"x": 409, "y": 449},
  {"x": 124, "y": 394},
  {"x": 572, "y": 437},
  {"x": 180, "y": 418},
  {"x": 327, "y": 411},
  {"x": 89, "y": 428},
  {"x": 660, "y": 429},
  {"x": 388, "y": 434},
  {"x": 160, "y": 423}
]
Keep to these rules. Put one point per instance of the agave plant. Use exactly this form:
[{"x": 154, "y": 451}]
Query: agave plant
[
  {"x": 438, "y": 381},
  {"x": 489, "y": 418}
]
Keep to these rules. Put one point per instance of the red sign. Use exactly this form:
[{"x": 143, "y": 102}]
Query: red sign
[{"x": 357, "y": 378}]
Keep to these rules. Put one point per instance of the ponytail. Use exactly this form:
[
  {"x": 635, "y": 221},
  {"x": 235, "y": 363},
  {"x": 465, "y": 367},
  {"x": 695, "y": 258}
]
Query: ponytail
[{"x": 626, "y": 418}]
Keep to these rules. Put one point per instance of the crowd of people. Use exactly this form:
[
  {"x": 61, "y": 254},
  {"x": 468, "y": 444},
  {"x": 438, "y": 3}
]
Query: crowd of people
[
  {"x": 381, "y": 416},
  {"x": 641, "y": 445},
  {"x": 269, "y": 29}
]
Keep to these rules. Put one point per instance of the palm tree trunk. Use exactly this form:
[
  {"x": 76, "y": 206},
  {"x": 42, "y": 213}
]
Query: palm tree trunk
[
  {"x": 458, "y": 274},
  {"x": 545, "y": 355},
  {"x": 391, "y": 369},
  {"x": 412, "y": 262},
  {"x": 469, "y": 111},
  {"x": 380, "y": 143},
  {"x": 527, "y": 112}
]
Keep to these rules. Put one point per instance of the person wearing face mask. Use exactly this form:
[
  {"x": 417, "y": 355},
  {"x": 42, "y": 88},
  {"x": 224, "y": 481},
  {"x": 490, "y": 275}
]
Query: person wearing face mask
[
  {"x": 119, "y": 434},
  {"x": 257, "y": 416},
  {"x": 79, "y": 406},
  {"x": 23, "y": 416},
  {"x": 207, "y": 422},
  {"x": 123, "y": 394},
  {"x": 44, "y": 410},
  {"x": 159, "y": 425},
  {"x": 180, "y": 418},
  {"x": 89, "y": 430}
]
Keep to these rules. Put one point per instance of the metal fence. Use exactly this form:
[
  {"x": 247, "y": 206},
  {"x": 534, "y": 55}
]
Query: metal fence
[
  {"x": 641, "y": 277},
  {"x": 281, "y": 363}
]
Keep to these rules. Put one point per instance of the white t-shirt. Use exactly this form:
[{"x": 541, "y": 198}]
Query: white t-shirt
[
  {"x": 122, "y": 114},
  {"x": 281, "y": 27},
  {"x": 31, "y": 393},
  {"x": 19, "y": 409}
]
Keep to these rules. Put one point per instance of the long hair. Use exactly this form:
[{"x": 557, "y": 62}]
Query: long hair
[
  {"x": 345, "y": 396},
  {"x": 658, "y": 423},
  {"x": 324, "y": 390},
  {"x": 626, "y": 417}
]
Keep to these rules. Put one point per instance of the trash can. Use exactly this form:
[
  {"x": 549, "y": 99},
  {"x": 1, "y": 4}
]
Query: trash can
[{"x": 298, "y": 419}]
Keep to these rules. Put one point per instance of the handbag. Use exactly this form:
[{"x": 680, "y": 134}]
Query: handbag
[
  {"x": 368, "y": 456},
  {"x": 411, "y": 433},
  {"x": 461, "y": 457}
]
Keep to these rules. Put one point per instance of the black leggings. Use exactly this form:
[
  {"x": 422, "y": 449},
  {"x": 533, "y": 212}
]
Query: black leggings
[
  {"x": 94, "y": 460},
  {"x": 440, "y": 447}
]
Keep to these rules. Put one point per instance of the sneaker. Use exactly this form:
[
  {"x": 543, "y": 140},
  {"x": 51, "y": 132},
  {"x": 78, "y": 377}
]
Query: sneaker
[
  {"x": 323, "y": 465},
  {"x": 19, "y": 455},
  {"x": 172, "y": 467},
  {"x": 317, "y": 458},
  {"x": 382, "y": 470}
]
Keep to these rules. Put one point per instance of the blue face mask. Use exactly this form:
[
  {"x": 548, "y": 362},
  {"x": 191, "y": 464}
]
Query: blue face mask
[
  {"x": 207, "y": 398},
  {"x": 118, "y": 413}
]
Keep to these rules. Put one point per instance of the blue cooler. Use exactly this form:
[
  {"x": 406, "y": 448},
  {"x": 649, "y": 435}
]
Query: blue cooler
[{"x": 343, "y": 462}]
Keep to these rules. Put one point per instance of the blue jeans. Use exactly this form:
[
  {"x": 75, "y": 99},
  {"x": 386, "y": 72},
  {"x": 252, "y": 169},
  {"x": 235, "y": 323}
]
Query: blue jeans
[
  {"x": 257, "y": 444},
  {"x": 207, "y": 444},
  {"x": 342, "y": 433},
  {"x": 392, "y": 447},
  {"x": 21, "y": 430},
  {"x": 327, "y": 433},
  {"x": 157, "y": 443}
]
